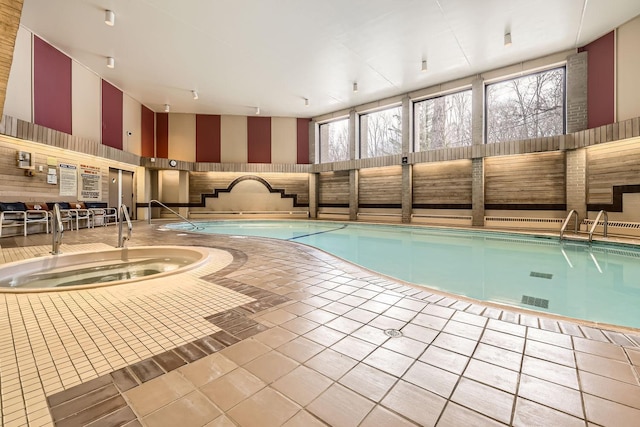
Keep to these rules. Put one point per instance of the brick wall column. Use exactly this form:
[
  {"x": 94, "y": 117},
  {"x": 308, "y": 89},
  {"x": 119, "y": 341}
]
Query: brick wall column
[
  {"x": 477, "y": 192},
  {"x": 477, "y": 111},
  {"x": 576, "y": 181},
  {"x": 313, "y": 195},
  {"x": 353, "y": 194},
  {"x": 577, "y": 118},
  {"x": 407, "y": 182}
]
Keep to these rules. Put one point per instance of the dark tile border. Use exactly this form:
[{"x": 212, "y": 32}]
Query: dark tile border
[{"x": 99, "y": 402}]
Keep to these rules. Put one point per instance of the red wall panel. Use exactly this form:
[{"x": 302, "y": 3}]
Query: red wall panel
[
  {"x": 147, "y": 137},
  {"x": 51, "y": 87},
  {"x": 259, "y": 139},
  {"x": 111, "y": 115},
  {"x": 303, "y": 141},
  {"x": 162, "y": 135},
  {"x": 207, "y": 138},
  {"x": 600, "y": 80}
]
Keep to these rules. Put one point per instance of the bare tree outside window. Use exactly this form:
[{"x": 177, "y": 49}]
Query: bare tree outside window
[
  {"x": 443, "y": 122},
  {"x": 334, "y": 141},
  {"x": 381, "y": 133},
  {"x": 527, "y": 107}
]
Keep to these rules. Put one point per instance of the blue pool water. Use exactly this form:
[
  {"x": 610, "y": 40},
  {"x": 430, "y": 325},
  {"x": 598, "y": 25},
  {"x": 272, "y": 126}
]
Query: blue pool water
[{"x": 598, "y": 282}]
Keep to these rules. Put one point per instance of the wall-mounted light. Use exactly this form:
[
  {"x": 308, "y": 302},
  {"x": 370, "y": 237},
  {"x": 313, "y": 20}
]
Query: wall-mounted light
[
  {"x": 195, "y": 94},
  {"x": 109, "y": 18},
  {"x": 306, "y": 102},
  {"x": 355, "y": 87},
  {"x": 257, "y": 110},
  {"x": 111, "y": 62},
  {"x": 167, "y": 108},
  {"x": 507, "y": 39},
  {"x": 424, "y": 66}
]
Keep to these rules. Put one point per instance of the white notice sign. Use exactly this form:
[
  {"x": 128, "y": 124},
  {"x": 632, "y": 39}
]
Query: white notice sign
[{"x": 68, "y": 179}]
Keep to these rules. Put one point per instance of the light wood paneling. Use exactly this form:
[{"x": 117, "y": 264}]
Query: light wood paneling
[
  {"x": 443, "y": 183},
  {"x": 616, "y": 163},
  {"x": 628, "y": 69},
  {"x": 18, "y": 101},
  {"x": 283, "y": 139},
  {"x": 10, "y": 12},
  {"x": 380, "y": 186},
  {"x": 233, "y": 139},
  {"x": 333, "y": 188},
  {"x": 529, "y": 179},
  {"x": 85, "y": 102},
  {"x": 182, "y": 137}
]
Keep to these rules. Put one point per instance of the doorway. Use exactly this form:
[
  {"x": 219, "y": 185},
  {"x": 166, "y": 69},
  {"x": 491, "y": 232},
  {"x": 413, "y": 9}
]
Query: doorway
[{"x": 121, "y": 189}]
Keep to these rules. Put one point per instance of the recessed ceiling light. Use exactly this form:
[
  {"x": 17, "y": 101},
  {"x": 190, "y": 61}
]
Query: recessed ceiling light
[
  {"x": 424, "y": 66},
  {"x": 109, "y": 18},
  {"x": 507, "y": 39},
  {"x": 355, "y": 86},
  {"x": 111, "y": 62}
]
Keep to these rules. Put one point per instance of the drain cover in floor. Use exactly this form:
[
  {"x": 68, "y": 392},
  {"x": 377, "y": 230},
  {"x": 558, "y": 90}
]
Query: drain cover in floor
[
  {"x": 541, "y": 275},
  {"x": 536, "y": 302},
  {"x": 393, "y": 333}
]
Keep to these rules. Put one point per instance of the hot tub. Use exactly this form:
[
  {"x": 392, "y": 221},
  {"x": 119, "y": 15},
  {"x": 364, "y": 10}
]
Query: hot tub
[{"x": 103, "y": 268}]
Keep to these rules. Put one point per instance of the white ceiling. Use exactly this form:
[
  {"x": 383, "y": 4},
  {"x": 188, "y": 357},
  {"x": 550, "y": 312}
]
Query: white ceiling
[{"x": 240, "y": 54}]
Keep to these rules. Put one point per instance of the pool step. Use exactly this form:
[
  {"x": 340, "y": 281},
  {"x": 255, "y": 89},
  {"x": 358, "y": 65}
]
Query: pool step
[{"x": 582, "y": 236}]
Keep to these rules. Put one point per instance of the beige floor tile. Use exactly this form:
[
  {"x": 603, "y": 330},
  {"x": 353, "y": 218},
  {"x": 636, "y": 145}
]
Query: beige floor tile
[
  {"x": 354, "y": 347},
  {"x": 430, "y": 321},
  {"x": 407, "y": 346},
  {"x": 299, "y": 325},
  {"x": 614, "y": 369},
  {"x": 370, "y": 334},
  {"x": 549, "y": 337},
  {"x": 455, "y": 415},
  {"x": 192, "y": 410},
  {"x": 455, "y": 343},
  {"x": 244, "y": 351},
  {"x": 493, "y": 375},
  {"x": 550, "y": 352},
  {"x": 463, "y": 330},
  {"x": 418, "y": 405},
  {"x": 300, "y": 349},
  {"x": 553, "y": 395},
  {"x": 610, "y": 351},
  {"x": 607, "y": 413},
  {"x": 339, "y": 406},
  {"x": 419, "y": 333},
  {"x": 380, "y": 416},
  {"x": 207, "y": 369},
  {"x": 303, "y": 419},
  {"x": 267, "y": 408},
  {"x": 232, "y": 388},
  {"x": 271, "y": 366},
  {"x": 510, "y": 328},
  {"x": 445, "y": 359},
  {"x": 325, "y": 336},
  {"x": 529, "y": 413},
  {"x": 492, "y": 402},
  {"x": 275, "y": 337},
  {"x": 431, "y": 378},
  {"x": 158, "y": 392},
  {"x": 610, "y": 389},
  {"x": 302, "y": 385},
  {"x": 503, "y": 340},
  {"x": 389, "y": 361},
  {"x": 549, "y": 371},
  {"x": 369, "y": 382},
  {"x": 221, "y": 421},
  {"x": 331, "y": 363}
]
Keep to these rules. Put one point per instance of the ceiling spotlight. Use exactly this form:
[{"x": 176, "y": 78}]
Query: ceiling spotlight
[
  {"x": 257, "y": 110},
  {"x": 306, "y": 102},
  {"x": 424, "y": 66},
  {"x": 167, "y": 107},
  {"x": 195, "y": 94},
  {"x": 109, "y": 18},
  {"x": 507, "y": 39},
  {"x": 355, "y": 86},
  {"x": 111, "y": 63}
]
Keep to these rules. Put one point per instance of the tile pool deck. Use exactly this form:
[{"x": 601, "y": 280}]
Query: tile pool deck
[{"x": 272, "y": 333}]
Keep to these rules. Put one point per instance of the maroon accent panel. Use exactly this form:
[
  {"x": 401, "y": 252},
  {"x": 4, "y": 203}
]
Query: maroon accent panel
[
  {"x": 147, "y": 137},
  {"x": 303, "y": 141},
  {"x": 600, "y": 80},
  {"x": 207, "y": 138},
  {"x": 51, "y": 87},
  {"x": 259, "y": 139},
  {"x": 111, "y": 115},
  {"x": 162, "y": 135}
]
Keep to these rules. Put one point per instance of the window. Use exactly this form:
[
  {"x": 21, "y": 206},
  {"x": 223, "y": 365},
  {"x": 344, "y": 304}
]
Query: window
[
  {"x": 334, "y": 141},
  {"x": 443, "y": 122},
  {"x": 527, "y": 107},
  {"x": 381, "y": 133}
]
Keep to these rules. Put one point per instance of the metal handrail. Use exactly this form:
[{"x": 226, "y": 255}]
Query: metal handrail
[
  {"x": 566, "y": 223},
  {"x": 124, "y": 212},
  {"x": 595, "y": 224},
  {"x": 57, "y": 229},
  {"x": 170, "y": 210}
]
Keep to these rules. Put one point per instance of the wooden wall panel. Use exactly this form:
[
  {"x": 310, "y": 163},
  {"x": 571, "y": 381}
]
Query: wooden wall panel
[
  {"x": 333, "y": 189},
  {"x": 610, "y": 165},
  {"x": 442, "y": 184},
  {"x": 535, "y": 180},
  {"x": 10, "y": 12},
  {"x": 380, "y": 187}
]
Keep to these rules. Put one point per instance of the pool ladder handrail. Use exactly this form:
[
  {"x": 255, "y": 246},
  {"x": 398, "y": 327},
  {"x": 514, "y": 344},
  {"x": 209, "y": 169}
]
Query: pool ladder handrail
[
  {"x": 123, "y": 215},
  {"x": 57, "y": 229},
  {"x": 170, "y": 210},
  {"x": 597, "y": 221},
  {"x": 566, "y": 223}
]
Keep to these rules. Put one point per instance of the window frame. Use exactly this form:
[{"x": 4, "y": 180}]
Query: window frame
[
  {"x": 362, "y": 114},
  {"x": 329, "y": 122}
]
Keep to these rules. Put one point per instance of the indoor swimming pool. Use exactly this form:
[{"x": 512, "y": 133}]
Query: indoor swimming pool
[{"x": 598, "y": 282}]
